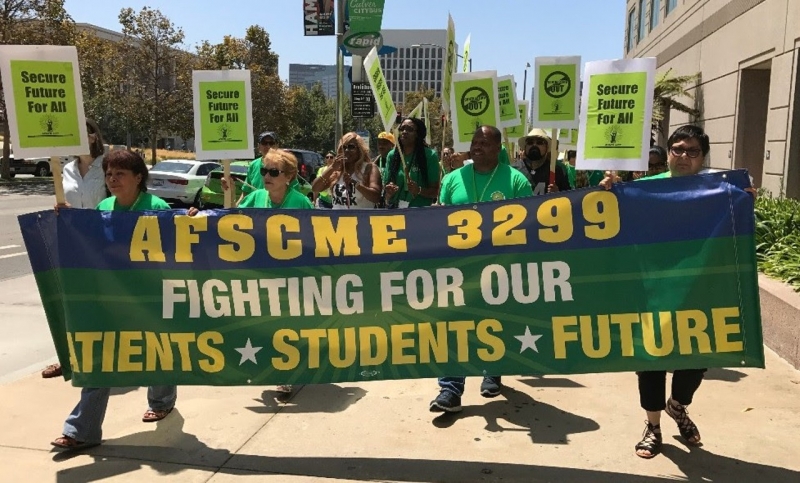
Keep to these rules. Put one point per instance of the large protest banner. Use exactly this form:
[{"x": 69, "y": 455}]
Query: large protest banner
[{"x": 577, "y": 282}]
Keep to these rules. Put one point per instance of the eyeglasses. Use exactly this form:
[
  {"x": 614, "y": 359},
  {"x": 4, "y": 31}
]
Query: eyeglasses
[
  {"x": 350, "y": 147},
  {"x": 692, "y": 153},
  {"x": 330, "y": 156},
  {"x": 274, "y": 172},
  {"x": 536, "y": 142},
  {"x": 407, "y": 129}
]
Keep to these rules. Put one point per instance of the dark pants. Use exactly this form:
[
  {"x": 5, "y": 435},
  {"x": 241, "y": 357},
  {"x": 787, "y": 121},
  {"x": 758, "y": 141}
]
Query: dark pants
[{"x": 652, "y": 387}]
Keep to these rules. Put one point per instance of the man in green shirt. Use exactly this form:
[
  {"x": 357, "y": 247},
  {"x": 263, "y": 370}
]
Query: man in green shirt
[
  {"x": 266, "y": 141},
  {"x": 486, "y": 179}
]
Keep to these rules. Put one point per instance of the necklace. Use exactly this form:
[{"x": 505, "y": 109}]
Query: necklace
[{"x": 475, "y": 186}]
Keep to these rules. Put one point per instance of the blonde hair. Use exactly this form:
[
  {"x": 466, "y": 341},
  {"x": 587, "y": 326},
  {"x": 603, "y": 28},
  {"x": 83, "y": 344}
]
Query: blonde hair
[
  {"x": 286, "y": 160},
  {"x": 363, "y": 155}
]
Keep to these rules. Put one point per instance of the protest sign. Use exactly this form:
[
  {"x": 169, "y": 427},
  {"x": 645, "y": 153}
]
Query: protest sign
[
  {"x": 555, "y": 101},
  {"x": 520, "y": 131},
  {"x": 380, "y": 90},
  {"x": 577, "y": 282},
  {"x": 473, "y": 101},
  {"x": 507, "y": 102},
  {"x": 223, "y": 118},
  {"x": 449, "y": 65},
  {"x": 568, "y": 138},
  {"x": 465, "y": 60},
  {"x": 44, "y": 100},
  {"x": 615, "y": 129},
  {"x": 44, "y": 104}
]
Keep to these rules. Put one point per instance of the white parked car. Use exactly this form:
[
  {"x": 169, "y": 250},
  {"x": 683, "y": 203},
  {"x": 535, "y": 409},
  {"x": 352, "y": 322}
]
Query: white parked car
[{"x": 179, "y": 179}]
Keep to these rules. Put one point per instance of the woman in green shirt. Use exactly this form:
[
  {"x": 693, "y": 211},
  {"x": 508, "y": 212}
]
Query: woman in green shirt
[
  {"x": 279, "y": 174},
  {"x": 126, "y": 179},
  {"x": 423, "y": 169}
]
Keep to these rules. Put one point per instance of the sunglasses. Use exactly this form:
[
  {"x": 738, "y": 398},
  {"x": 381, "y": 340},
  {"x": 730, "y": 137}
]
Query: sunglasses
[
  {"x": 407, "y": 129},
  {"x": 274, "y": 172},
  {"x": 692, "y": 153},
  {"x": 350, "y": 147},
  {"x": 536, "y": 142},
  {"x": 330, "y": 156},
  {"x": 267, "y": 143}
]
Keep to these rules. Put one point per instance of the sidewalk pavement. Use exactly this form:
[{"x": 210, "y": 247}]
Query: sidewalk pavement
[{"x": 574, "y": 428}]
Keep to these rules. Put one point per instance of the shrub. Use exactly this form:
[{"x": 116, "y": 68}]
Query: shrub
[{"x": 778, "y": 237}]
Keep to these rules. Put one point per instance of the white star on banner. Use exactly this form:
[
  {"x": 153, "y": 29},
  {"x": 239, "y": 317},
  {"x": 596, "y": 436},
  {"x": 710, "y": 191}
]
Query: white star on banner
[
  {"x": 248, "y": 353},
  {"x": 528, "y": 340}
]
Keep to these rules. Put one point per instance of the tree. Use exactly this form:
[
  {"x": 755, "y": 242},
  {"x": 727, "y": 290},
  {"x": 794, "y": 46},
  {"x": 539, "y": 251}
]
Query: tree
[
  {"x": 30, "y": 22},
  {"x": 412, "y": 99},
  {"x": 313, "y": 118},
  {"x": 666, "y": 93},
  {"x": 156, "y": 88},
  {"x": 253, "y": 52}
]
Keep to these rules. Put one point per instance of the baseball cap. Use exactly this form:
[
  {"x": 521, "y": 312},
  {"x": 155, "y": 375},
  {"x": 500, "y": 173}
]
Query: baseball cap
[
  {"x": 388, "y": 136},
  {"x": 270, "y": 134}
]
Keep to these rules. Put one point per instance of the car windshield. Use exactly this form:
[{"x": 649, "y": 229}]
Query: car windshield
[{"x": 171, "y": 167}]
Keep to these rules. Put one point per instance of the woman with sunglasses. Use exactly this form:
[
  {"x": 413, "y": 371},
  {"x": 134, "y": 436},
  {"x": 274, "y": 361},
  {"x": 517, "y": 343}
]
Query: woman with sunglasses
[
  {"x": 279, "y": 178},
  {"x": 421, "y": 164},
  {"x": 353, "y": 179},
  {"x": 84, "y": 187},
  {"x": 324, "y": 197}
]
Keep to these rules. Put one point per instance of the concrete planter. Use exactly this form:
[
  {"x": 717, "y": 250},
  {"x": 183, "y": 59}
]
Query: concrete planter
[{"x": 780, "y": 318}]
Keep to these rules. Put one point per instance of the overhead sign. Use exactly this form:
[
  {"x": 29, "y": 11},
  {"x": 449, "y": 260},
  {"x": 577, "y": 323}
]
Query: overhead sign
[
  {"x": 318, "y": 18},
  {"x": 364, "y": 19},
  {"x": 362, "y": 104},
  {"x": 44, "y": 100}
]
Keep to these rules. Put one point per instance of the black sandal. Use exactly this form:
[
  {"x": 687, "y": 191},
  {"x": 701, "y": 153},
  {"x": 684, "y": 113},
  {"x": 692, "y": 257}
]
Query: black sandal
[
  {"x": 651, "y": 441},
  {"x": 686, "y": 426}
]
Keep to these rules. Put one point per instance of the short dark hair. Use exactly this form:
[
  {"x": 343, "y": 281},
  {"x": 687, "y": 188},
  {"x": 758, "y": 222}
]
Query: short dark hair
[
  {"x": 496, "y": 135},
  {"x": 96, "y": 148},
  {"x": 572, "y": 154},
  {"x": 660, "y": 152},
  {"x": 690, "y": 131},
  {"x": 124, "y": 159}
]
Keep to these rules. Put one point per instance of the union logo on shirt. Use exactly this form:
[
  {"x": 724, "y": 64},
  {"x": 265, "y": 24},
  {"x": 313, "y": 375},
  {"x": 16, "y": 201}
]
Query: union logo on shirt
[{"x": 498, "y": 195}]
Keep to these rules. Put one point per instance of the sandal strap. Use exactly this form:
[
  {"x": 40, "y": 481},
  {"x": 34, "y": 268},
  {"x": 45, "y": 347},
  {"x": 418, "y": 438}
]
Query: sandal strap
[
  {"x": 651, "y": 439},
  {"x": 681, "y": 416}
]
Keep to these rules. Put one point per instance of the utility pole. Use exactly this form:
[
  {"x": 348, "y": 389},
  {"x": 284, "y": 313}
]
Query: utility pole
[{"x": 339, "y": 72}]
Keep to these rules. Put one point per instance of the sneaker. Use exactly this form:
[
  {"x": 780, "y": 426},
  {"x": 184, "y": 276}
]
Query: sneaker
[
  {"x": 284, "y": 389},
  {"x": 491, "y": 386},
  {"x": 447, "y": 402}
]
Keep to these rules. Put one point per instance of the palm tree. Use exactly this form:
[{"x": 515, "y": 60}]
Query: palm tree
[{"x": 667, "y": 91}]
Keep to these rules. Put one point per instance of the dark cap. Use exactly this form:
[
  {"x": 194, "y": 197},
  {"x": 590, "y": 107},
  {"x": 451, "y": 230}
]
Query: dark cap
[{"x": 267, "y": 134}]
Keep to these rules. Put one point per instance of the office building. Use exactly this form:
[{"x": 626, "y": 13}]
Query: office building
[
  {"x": 307, "y": 75},
  {"x": 747, "y": 53},
  {"x": 417, "y": 62}
]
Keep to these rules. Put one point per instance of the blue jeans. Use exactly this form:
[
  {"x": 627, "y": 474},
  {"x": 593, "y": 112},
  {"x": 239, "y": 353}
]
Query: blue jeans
[
  {"x": 85, "y": 422},
  {"x": 456, "y": 384}
]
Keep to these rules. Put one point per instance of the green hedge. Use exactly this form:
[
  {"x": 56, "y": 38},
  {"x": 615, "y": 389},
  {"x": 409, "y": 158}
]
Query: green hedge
[{"x": 778, "y": 238}]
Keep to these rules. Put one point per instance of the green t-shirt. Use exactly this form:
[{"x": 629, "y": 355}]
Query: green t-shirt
[
  {"x": 325, "y": 195},
  {"x": 260, "y": 199},
  {"x": 254, "y": 180},
  {"x": 464, "y": 185},
  {"x": 665, "y": 174},
  {"x": 432, "y": 163},
  {"x": 145, "y": 202},
  {"x": 571, "y": 175}
]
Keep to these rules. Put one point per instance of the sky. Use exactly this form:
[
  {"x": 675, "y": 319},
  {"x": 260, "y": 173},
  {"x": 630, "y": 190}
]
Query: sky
[{"x": 506, "y": 34}]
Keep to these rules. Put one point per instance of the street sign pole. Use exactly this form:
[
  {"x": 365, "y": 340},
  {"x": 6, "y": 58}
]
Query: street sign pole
[{"x": 339, "y": 72}]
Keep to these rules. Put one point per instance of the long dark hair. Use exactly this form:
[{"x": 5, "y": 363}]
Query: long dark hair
[
  {"x": 420, "y": 160},
  {"x": 96, "y": 148}
]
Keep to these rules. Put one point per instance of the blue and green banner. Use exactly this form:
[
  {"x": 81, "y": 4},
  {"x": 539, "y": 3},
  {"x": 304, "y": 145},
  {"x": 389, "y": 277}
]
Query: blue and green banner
[{"x": 655, "y": 275}]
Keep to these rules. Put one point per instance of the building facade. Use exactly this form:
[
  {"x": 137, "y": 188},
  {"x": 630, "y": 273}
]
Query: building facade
[
  {"x": 307, "y": 75},
  {"x": 417, "y": 62},
  {"x": 747, "y": 53}
]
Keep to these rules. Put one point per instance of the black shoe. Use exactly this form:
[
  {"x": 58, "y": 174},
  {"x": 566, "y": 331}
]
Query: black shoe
[
  {"x": 491, "y": 386},
  {"x": 447, "y": 402}
]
